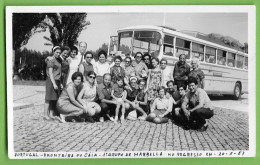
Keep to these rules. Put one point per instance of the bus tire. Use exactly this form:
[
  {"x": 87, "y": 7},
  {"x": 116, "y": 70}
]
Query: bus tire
[{"x": 237, "y": 91}]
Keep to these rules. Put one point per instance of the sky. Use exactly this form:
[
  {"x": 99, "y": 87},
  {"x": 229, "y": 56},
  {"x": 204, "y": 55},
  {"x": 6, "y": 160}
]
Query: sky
[{"x": 104, "y": 25}]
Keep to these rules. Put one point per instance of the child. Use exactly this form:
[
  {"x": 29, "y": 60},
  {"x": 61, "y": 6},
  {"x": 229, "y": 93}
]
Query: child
[
  {"x": 161, "y": 107},
  {"x": 118, "y": 93}
]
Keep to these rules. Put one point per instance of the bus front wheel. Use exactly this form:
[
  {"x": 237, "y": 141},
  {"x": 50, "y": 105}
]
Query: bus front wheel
[{"x": 237, "y": 91}]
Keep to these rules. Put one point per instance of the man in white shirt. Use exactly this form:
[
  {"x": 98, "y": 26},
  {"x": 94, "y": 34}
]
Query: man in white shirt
[
  {"x": 167, "y": 72},
  {"x": 82, "y": 50}
]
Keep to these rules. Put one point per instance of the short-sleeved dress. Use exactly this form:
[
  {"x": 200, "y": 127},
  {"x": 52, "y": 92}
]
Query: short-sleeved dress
[
  {"x": 90, "y": 95},
  {"x": 51, "y": 94},
  {"x": 64, "y": 104},
  {"x": 87, "y": 68},
  {"x": 154, "y": 83},
  {"x": 199, "y": 75}
]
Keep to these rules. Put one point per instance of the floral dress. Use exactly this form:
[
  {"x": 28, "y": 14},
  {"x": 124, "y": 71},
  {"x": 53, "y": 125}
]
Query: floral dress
[
  {"x": 154, "y": 83},
  {"x": 117, "y": 72}
]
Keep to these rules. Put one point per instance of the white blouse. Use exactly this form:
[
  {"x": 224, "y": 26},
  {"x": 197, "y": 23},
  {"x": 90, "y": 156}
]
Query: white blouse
[{"x": 101, "y": 68}]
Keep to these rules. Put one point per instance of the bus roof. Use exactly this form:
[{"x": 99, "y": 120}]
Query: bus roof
[{"x": 200, "y": 37}]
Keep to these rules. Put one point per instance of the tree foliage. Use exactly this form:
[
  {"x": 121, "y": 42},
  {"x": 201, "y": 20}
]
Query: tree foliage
[
  {"x": 64, "y": 27},
  {"x": 24, "y": 26}
]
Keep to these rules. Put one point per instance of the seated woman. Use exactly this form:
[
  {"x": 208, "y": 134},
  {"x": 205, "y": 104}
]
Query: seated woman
[
  {"x": 141, "y": 98},
  {"x": 67, "y": 104},
  {"x": 88, "y": 94},
  {"x": 161, "y": 107}
]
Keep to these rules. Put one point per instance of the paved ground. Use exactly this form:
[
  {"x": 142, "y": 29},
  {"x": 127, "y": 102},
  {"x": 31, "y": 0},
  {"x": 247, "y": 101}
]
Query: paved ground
[{"x": 228, "y": 130}]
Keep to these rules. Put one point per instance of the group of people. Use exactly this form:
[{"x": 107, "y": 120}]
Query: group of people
[{"x": 78, "y": 88}]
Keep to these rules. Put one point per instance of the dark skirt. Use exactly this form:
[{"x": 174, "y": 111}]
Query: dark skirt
[{"x": 51, "y": 94}]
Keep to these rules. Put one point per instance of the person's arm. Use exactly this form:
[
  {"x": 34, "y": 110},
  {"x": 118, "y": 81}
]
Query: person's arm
[
  {"x": 184, "y": 107},
  {"x": 153, "y": 105},
  {"x": 52, "y": 79},
  {"x": 187, "y": 72},
  {"x": 201, "y": 102},
  {"x": 162, "y": 78},
  {"x": 80, "y": 96},
  {"x": 169, "y": 107},
  {"x": 72, "y": 98},
  {"x": 81, "y": 69},
  {"x": 148, "y": 80},
  {"x": 112, "y": 94}
]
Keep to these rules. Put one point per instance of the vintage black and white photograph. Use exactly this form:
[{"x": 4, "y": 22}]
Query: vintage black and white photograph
[{"x": 140, "y": 81}]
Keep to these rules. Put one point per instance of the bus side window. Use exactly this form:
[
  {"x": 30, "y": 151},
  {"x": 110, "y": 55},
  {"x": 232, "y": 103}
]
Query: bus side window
[
  {"x": 246, "y": 63},
  {"x": 168, "y": 45},
  {"x": 198, "y": 51},
  {"x": 221, "y": 57},
  {"x": 240, "y": 59},
  {"x": 183, "y": 47},
  {"x": 231, "y": 59},
  {"x": 210, "y": 56}
]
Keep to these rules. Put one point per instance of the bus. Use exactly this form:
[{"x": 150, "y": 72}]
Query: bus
[{"x": 225, "y": 67}]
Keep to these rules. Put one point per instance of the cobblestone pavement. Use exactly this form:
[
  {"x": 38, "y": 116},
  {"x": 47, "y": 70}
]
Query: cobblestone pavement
[{"x": 228, "y": 130}]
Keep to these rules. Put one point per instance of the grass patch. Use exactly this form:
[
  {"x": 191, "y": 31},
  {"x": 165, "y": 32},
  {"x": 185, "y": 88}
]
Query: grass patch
[{"x": 29, "y": 82}]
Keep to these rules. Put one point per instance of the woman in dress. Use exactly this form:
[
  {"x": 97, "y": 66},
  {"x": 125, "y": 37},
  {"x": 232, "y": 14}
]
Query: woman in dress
[
  {"x": 101, "y": 67},
  {"x": 86, "y": 66},
  {"x": 74, "y": 61},
  {"x": 117, "y": 71},
  {"x": 154, "y": 81},
  {"x": 88, "y": 94},
  {"x": 197, "y": 73},
  {"x": 53, "y": 84},
  {"x": 129, "y": 70},
  {"x": 67, "y": 104},
  {"x": 141, "y": 69}
]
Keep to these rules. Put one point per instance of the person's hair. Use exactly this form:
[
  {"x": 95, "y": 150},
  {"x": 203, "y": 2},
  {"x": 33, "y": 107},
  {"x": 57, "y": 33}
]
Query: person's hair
[
  {"x": 102, "y": 52},
  {"x": 88, "y": 52},
  {"x": 65, "y": 48},
  {"x": 192, "y": 80},
  {"x": 74, "y": 48},
  {"x": 163, "y": 60},
  {"x": 118, "y": 58},
  {"x": 146, "y": 55},
  {"x": 167, "y": 90},
  {"x": 196, "y": 60},
  {"x": 91, "y": 72},
  {"x": 55, "y": 48},
  {"x": 120, "y": 79},
  {"x": 170, "y": 81},
  {"x": 76, "y": 75},
  {"x": 83, "y": 42},
  {"x": 106, "y": 74},
  {"x": 182, "y": 55},
  {"x": 138, "y": 53},
  {"x": 160, "y": 88},
  {"x": 141, "y": 80},
  {"x": 129, "y": 59},
  {"x": 181, "y": 86},
  {"x": 156, "y": 59}
]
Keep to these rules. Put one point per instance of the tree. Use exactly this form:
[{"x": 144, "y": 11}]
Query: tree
[
  {"x": 24, "y": 26},
  {"x": 64, "y": 27}
]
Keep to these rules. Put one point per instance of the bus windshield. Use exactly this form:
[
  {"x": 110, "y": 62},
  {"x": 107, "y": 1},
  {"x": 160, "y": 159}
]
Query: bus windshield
[{"x": 143, "y": 41}]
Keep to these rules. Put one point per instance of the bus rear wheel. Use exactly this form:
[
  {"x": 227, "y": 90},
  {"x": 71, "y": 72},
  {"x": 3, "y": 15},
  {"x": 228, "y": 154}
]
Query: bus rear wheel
[{"x": 237, "y": 91}]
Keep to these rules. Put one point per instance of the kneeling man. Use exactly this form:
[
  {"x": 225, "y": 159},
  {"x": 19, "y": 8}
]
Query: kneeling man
[{"x": 196, "y": 105}]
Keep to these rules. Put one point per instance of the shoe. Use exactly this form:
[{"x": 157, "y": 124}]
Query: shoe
[
  {"x": 203, "y": 128},
  {"x": 101, "y": 119},
  {"x": 90, "y": 119},
  {"x": 142, "y": 118}
]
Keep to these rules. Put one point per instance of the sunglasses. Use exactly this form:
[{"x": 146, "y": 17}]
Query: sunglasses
[
  {"x": 127, "y": 61},
  {"x": 138, "y": 56},
  {"x": 163, "y": 63},
  {"x": 93, "y": 77}
]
